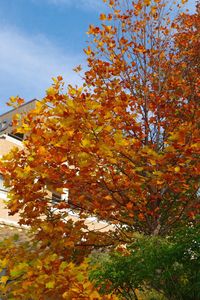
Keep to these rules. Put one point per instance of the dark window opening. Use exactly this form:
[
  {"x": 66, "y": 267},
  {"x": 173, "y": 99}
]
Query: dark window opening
[
  {"x": 18, "y": 136},
  {"x": 56, "y": 197}
]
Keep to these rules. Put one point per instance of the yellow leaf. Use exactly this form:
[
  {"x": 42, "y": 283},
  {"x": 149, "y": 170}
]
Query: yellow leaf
[
  {"x": 86, "y": 142},
  {"x": 113, "y": 160},
  {"x": 95, "y": 295},
  {"x": 196, "y": 145},
  {"x": 92, "y": 105},
  {"x": 108, "y": 197},
  {"x": 157, "y": 173},
  {"x": 3, "y": 263},
  {"x": 4, "y": 279},
  {"x": 169, "y": 149},
  {"x": 153, "y": 9},
  {"x": 159, "y": 182},
  {"x": 106, "y": 149},
  {"x": 41, "y": 150},
  {"x": 139, "y": 169},
  {"x": 83, "y": 158},
  {"x": 39, "y": 105},
  {"x": 102, "y": 17},
  {"x": 177, "y": 169},
  {"x": 66, "y": 296},
  {"x": 70, "y": 103},
  {"x": 174, "y": 136},
  {"x": 108, "y": 128},
  {"x": 153, "y": 162},
  {"x": 72, "y": 91},
  {"x": 147, "y": 2},
  {"x": 50, "y": 284},
  {"x": 27, "y": 169},
  {"x": 120, "y": 140},
  {"x": 51, "y": 91},
  {"x": 88, "y": 51},
  {"x": 63, "y": 266}
]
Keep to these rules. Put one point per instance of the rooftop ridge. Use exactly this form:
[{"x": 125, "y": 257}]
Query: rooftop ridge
[{"x": 24, "y": 104}]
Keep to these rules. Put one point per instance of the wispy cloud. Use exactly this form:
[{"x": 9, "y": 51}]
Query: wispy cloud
[
  {"x": 81, "y": 4},
  {"x": 27, "y": 64},
  {"x": 96, "y": 5}
]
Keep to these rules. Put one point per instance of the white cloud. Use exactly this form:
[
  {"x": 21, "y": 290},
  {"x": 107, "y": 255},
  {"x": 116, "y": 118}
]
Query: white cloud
[
  {"x": 97, "y": 5},
  {"x": 27, "y": 64}
]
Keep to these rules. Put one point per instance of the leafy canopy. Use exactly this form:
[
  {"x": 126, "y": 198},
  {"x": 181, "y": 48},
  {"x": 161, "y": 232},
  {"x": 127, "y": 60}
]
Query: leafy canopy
[{"x": 125, "y": 144}]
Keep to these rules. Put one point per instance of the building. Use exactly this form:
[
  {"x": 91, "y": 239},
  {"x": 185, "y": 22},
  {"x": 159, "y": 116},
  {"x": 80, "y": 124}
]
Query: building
[{"x": 8, "y": 140}]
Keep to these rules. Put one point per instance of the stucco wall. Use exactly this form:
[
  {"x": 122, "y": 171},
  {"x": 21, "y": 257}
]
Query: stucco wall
[{"x": 6, "y": 146}]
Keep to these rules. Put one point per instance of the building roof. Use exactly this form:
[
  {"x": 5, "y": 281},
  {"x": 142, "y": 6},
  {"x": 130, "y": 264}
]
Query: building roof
[
  {"x": 19, "y": 108},
  {"x": 6, "y": 118}
]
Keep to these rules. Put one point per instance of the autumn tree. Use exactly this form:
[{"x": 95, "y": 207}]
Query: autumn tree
[
  {"x": 144, "y": 78},
  {"x": 125, "y": 144}
]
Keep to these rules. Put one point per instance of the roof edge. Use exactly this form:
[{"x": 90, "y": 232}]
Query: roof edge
[{"x": 24, "y": 104}]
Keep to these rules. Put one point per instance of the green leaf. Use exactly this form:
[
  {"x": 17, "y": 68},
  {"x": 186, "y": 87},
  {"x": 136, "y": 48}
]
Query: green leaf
[{"x": 50, "y": 284}]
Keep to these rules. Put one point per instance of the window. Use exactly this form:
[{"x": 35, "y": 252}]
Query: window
[
  {"x": 56, "y": 197},
  {"x": 3, "y": 189},
  {"x": 18, "y": 136},
  {"x": 1, "y": 183}
]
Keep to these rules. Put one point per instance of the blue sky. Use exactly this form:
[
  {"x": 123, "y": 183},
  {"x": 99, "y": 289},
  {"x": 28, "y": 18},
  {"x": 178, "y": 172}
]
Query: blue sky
[{"x": 40, "y": 39}]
